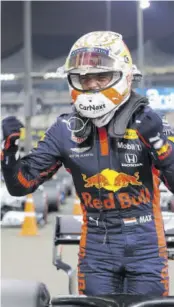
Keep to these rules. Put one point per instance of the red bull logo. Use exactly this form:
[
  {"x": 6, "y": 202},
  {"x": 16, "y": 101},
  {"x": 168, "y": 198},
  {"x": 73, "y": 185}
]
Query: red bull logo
[
  {"x": 123, "y": 200},
  {"x": 107, "y": 203},
  {"x": 111, "y": 180}
]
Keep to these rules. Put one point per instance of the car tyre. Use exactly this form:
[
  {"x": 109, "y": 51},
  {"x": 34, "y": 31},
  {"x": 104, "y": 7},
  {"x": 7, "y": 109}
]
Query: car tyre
[{"x": 20, "y": 293}]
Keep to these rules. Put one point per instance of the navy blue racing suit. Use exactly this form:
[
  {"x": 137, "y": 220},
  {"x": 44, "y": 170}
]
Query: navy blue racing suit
[{"x": 117, "y": 181}]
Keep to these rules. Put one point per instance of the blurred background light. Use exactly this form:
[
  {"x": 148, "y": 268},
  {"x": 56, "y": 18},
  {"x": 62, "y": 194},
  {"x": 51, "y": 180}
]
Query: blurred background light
[{"x": 144, "y": 4}]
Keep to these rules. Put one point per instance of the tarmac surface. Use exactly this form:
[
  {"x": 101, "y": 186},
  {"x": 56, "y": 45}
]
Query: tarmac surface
[{"x": 30, "y": 258}]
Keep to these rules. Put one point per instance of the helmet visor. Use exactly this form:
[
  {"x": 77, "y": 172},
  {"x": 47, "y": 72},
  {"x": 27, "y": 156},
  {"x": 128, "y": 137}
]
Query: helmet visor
[
  {"x": 94, "y": 82},
  {"x": 85, "y": 60}
]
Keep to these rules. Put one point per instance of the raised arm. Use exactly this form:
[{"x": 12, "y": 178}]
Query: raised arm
[{"x": 24, "y": 175}]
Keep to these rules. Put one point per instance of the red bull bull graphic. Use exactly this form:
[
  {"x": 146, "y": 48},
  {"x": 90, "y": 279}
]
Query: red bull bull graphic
[
  {"x": 99, "y": 181},
  {"x": 111, "y": 180}
]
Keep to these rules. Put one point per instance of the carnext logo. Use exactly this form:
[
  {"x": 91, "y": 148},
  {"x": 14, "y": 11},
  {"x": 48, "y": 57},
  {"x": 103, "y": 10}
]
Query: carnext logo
[{"x": 92, "y": 107}]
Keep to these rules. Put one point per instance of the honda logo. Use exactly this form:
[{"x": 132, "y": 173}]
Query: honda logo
[{"x": 131, "y": 158}]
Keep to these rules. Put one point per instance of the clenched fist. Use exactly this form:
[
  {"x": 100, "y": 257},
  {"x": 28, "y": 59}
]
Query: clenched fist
[
  {"x": 11, "y": 131},
  {"x": 149, "y": 127}
]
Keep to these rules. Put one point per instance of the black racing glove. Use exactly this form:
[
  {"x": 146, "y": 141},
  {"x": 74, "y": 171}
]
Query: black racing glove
[
  {"x": 150, "y": 129},
  {"x": 11, "y": 133}
]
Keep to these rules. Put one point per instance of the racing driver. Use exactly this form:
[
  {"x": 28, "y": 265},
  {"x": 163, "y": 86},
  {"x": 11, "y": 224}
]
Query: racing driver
[{"x": 116, "y": 148}]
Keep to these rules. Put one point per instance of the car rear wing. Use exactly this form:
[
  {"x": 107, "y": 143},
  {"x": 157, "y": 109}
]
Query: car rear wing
[{"x": 68, "y": 231}]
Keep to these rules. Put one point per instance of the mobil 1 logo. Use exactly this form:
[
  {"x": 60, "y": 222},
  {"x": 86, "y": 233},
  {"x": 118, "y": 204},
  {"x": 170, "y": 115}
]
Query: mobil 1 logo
[{"x": 129, "y": 146}]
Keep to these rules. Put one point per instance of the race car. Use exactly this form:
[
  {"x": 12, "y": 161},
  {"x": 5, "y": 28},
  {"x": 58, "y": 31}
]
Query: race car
[
  {"x": 20, "y": 293},
  {"x": 12, "y": 208},
  {"x": 167, "y": 208},
  {"x": 166, "y": 198},
  {"x": 55, "y": 196},
  {"x": 58, "y": 188}
]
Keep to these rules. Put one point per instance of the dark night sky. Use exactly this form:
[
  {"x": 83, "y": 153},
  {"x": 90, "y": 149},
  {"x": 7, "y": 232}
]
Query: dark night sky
[{"x": 57, "y": 24}]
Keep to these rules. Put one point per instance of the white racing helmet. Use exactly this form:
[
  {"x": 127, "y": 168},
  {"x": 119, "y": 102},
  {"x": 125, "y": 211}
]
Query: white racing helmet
[{"x": 94, "y": 53}]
